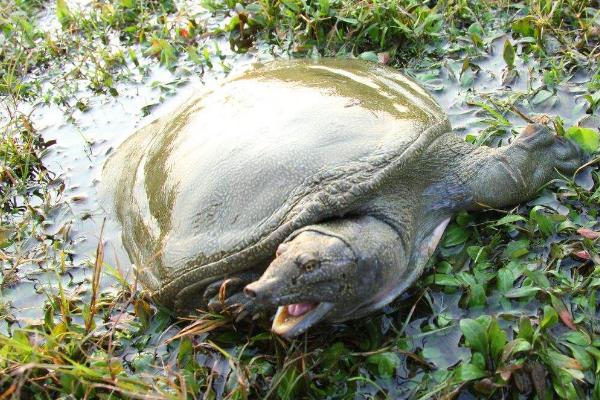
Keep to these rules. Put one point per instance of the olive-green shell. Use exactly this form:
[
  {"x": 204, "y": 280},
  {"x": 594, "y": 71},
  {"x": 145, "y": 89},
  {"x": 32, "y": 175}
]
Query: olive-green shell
[{"x": 215, "y": 187}]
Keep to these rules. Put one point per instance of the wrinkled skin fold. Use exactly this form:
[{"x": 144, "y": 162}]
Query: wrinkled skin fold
[{"x": 323, "y": 209}]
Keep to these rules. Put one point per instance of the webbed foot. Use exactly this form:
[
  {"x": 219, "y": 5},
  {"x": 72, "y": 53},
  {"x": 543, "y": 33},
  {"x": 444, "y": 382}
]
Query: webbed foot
[
  {"x": 550, "y": 150},
  {"x": 511, "y": 174}
]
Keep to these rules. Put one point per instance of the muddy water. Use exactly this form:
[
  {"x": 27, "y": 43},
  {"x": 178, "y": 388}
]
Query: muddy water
[{"x": 84, "y": 143}]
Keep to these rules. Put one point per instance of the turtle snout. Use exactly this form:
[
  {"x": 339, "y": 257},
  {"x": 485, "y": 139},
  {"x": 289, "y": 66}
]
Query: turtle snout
[
  {"x": 250, "y": 291},
  {"x": 262, "y": 290}
]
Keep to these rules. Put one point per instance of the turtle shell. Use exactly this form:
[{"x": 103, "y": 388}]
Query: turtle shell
[{"x": 214, "y": 188}]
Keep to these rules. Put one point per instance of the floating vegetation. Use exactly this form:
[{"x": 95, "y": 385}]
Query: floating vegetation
[{"x": 507, "y": 309}]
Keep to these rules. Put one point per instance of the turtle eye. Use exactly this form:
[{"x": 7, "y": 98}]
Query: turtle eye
[{"x": 310, "y": 265}]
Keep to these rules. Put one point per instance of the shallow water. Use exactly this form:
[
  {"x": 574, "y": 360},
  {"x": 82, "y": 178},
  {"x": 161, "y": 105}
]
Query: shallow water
[{"x": 84, "y": 143}]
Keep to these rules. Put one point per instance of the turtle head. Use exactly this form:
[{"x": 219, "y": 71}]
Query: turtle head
[{"x": 315, "y": 276}]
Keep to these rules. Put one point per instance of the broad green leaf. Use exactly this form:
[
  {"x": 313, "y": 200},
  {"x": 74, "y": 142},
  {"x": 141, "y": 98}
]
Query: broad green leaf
[
  {"x": 516, "y": 249},
  {"x": 525, "y": 329},
  {"x": 467, "y": 77},
  {"x": 588, "y": 139},
  {"x": 541, "y": 96},
  {"x": 469, "y": 372},
  {"x": 445, "y": 280},
  {"x": 477, "y": 253},
  {"x": 477, "y": 297},
  {"x": 550, "y": 317},
  {"x": 498, "y": 339},
  {"x": 581, "y": 355},
  {"x": 324, "y": 7},
  {"x": 386, "y": 363},
  {"x": 475, "y": 335},
  {"x": 455, "y": 235},
  {"x": 476, "y": 33},
  {"x": 543, "y": 222},
  {"x": 505, "y": 279},
  {"x": 513, "y": 347},
  {"x": 509, "y": 54},
  {"x": 539, "y": 278},
  {"x": 578, "y": 338},
  {"x": 559, "y": 360}
]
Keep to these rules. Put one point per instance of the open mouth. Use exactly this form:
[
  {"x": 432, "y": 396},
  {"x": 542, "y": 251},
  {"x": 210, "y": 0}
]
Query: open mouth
[{"x": 293, "y": 319}]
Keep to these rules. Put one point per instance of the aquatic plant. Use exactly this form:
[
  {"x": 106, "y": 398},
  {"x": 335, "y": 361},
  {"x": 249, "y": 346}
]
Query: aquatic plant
[{"x": 509, "y": 305}]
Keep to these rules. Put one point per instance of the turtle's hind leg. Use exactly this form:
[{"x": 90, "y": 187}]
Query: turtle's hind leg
[{"x": 504, "y": 176}]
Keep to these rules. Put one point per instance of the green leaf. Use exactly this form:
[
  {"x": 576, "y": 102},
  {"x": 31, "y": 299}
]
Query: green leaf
[
  {"x": 513, "y": 347},
  {"x": 509, "y": 219},
  {"x": 550, "y": 317},
  {"x": 525, "y": 329},
  {"x": 524, "y": 291},
  {"x": 578, "y": 338},
  {"x": 524, "y": 26},
  {"x": 581, "y": 355},
  {"x": 539, "y": 279},
  {"x": 588, "y": 139},
  {"x": 288, "y": 385},
  {"x": 476, "y": 33},
  {"x": 477, "y": 297},
  {"x": 543, "y": 222},
  {"x": 516, "y": 249},
  {"x": 186, "y": 349},
  {"x": 498, "y": 116},
  {"x": 541, "y": 96},
  {"x": 63, "y": 13},
  {"x": 351, "y": 21},
  {"x": 324, "y": 7},
  {"x": 475, "y": 335},
  {"x": 445, "y": 280},
  {"x": 455, "y": 235},
  {"x": 563, "y": 312},
  {"x": 558, "y": 360},
  {"x": 498, "y": 339},
  {"x": 386, "y": 363},
  {"x": 469, "y": 372},
  {"x": 505, "y": 279},
  {"x": 467, "y": 77},
  {"x": 333, "y": 355},
  {"x": 509, "y": 54},
  {"x": 477, "y": 253}
]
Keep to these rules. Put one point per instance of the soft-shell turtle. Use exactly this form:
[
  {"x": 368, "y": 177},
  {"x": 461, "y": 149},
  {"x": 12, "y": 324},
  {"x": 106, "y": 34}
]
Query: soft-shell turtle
[{"x": 339, "y": 176}]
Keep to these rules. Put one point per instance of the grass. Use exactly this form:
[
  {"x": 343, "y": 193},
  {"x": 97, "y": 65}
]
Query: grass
[{"x": 509, "y": 307}]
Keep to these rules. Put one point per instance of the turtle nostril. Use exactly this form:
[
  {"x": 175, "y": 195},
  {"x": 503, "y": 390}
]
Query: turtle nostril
[{"x": 250, "y": 292}]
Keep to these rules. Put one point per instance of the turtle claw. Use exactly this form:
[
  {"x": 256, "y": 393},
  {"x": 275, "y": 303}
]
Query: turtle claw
[
  {"x": 560, "y": 153},
  {"x": 238, "y": 305},
  {"x": 226, "y": 296},
  {"x": 536, "y": 136}
]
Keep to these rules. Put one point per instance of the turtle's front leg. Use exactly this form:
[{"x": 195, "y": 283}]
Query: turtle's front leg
[
  {"x": 226, "y": 295},
  {"x": 512, "y": 174}
]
